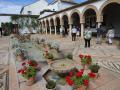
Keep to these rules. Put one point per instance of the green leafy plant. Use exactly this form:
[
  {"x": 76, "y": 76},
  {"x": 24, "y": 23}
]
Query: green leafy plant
[
  {"x": 94, "y": 68},
  {"x": 50, "y": 84},
  {"x": 70, "y": 56},
  {"x": 18, "y": 52},
  {"x": 79, "y": 78},
  {"x": 27, "y": 72},
  {"x": 50, "y": 55},
  {"x": 85, "y": 59}
]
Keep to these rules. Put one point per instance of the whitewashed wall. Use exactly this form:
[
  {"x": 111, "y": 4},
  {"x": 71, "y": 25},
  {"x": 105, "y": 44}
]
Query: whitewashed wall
[{"x": 35, "y": 7}]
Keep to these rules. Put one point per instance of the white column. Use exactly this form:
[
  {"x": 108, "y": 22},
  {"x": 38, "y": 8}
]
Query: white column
[
  {"x": 99, "y": 23},
  {"x": 46, "y": 30},
  {"x": 55, "y": 30},
  {"x": 50, "y": 30},
  {"x": 70, "y": 28},
  {"x": 82, "y": 30}
]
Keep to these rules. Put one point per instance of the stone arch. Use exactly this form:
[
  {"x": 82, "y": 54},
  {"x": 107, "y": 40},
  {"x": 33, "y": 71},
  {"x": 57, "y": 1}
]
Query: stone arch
[
  {"x": 51, "y": 21},
  {"x": 109, "y": 15},
  {"x": 106, "y": 3},
  {"x": 87, "y": 8},
  {"x": 72, "y": 12},
  {"x": 61, "y": 19},
  {"x": 57, "y": 22}
]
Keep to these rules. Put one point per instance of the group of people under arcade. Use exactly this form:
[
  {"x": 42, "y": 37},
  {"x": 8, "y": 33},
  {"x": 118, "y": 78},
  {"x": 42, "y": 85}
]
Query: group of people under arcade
[{"x": 101, "y": 32}]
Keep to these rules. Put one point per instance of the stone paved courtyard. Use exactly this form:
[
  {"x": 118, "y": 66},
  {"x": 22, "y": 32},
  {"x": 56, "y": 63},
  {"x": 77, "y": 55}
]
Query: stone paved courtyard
[{"x": 107, "y": 56}]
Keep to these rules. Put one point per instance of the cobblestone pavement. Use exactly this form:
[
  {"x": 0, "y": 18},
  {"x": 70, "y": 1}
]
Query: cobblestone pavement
[
  {"x": 4, "y": 54},
  {"x": 108, "y": 56}
]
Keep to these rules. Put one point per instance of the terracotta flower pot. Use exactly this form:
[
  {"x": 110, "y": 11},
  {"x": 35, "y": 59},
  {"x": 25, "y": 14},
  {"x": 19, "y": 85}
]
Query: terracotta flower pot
[
  {"x": 20, "y": 58},
  {"x": 82, "y": 87},
  {"x": 51, "y": 89},
  {"x": 30, "y": 81}
]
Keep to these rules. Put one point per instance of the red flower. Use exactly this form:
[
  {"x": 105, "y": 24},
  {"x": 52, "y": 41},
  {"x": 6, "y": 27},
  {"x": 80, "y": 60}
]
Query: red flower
[
  {"x": 88, "y": 56},
  {"x": 82, "y": 70},
  {"x": 81, "y": 56},
  {"x": 85, "y": 82},
  {"x": 91, "y": 75},
  {"x": 30, "y": 63},
  {"x": 22, "y": 72},
  {"x": 67, "y": 78},
  {"x": 71, "y": 74},
  {"x": 19, "y": 71},
  {"x": 79, "y": 74},
  {"x": 70, "y": 82},
  {"x": 23, "y": 63}
]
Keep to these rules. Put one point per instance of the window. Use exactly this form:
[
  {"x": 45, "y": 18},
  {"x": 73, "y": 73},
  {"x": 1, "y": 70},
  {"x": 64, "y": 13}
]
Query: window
[{"x": 29, "y": 12}]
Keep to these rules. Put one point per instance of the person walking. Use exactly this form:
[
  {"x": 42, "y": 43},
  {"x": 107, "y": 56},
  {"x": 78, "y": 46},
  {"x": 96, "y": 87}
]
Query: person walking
[
  {"x": 78, "y": 32},
  {"x": 110, "y": 35},
  {"x": 74, "y": 31},
  {"x": 99, "y": 35},
  {"x": 1, "y": 31},
  {"x": 87, "y": 37},
  {"x": 61, "y": 31}
]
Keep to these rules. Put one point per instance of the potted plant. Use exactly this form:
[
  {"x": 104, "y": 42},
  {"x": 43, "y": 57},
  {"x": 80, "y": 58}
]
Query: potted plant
[
  {"x": 51, "y": 85},
  {"x": 19, "y": 54},
  {"x": 94, "y": 68},
  {"x": 70, "y": 56},
  {"x": 86, "y": 60},
  {"x": 29, "y": 73},
  {"x": 34, "y": 64},
  {"x": 49, "y": 57},
  {"x": 78, "y": 80},
  {"x": 55, "y": 46}
]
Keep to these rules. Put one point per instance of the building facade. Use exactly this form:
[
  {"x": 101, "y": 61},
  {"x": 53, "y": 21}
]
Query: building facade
[{"x": 90, "y": 13}]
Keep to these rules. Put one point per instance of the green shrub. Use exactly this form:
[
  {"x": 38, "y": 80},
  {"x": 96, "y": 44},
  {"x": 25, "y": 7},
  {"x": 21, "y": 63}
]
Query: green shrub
[
  {"x": 94, "y": 68},
  {"x": 50, "y": 84}
]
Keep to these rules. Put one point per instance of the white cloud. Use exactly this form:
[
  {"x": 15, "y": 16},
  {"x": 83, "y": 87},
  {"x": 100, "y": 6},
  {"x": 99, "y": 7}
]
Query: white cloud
[{"x": 9, "y": 7}]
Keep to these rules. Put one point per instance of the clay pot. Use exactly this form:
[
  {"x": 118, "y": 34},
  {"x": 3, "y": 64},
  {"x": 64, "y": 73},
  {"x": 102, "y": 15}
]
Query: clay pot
[
  {"x": 30, "y": 81},
  {"x": 20, "y": 58},
  {"x": 82, "y": 87}
]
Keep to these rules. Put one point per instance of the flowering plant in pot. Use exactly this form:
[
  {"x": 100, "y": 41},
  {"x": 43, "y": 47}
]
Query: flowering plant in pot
[
  {"x": 86, "y": 60},
  {"x": 55, "y": 45},
  {"x": 79, "y": 80},
  {"x": 51, "y": 85},
  {"x": 94, "y": 68},
  {"x": 49, "y": 57},
  {"x": 29, "y": 73},
  {"x": 19, "y": 54}
]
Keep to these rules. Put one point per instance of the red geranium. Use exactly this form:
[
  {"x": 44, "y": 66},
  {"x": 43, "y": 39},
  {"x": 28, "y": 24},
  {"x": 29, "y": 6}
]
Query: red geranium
[
  {"x": 23, "y": 63},
  {"x": 19, "y": 71},
  {"x": 70, "y": 82},
  {"x": 79, "y": 74},
  {"x": 91, "y": 75},
  {"x": 81, "y": 56},
  {"x": 22, "y": 72},
  {"x": 85, "y": 82},
  {"x": 70, "y": 73},
  {"x": 67, "y": 78}
]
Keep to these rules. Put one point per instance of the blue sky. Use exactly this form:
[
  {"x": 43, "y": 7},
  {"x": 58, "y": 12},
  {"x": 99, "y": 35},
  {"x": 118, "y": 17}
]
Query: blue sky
[{"x": 14, "y": 6}]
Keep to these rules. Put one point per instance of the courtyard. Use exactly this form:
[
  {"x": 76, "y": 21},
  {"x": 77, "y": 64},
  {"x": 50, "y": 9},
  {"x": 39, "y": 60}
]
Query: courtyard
[{"x": 107, "y": 56}]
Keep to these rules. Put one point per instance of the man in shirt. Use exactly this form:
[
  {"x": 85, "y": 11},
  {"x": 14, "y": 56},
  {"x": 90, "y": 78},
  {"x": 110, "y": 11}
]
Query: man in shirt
[{"x": 74, "y": 31}]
